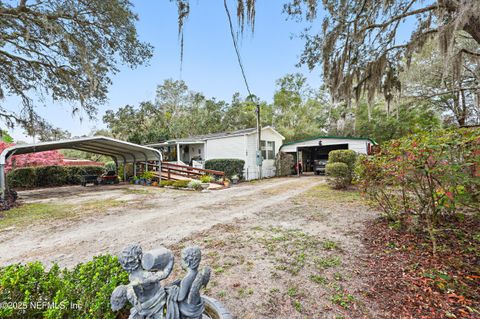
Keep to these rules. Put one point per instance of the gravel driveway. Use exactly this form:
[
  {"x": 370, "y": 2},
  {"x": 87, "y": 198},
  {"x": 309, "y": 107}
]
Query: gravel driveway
[{"x": 152, "y": 217}]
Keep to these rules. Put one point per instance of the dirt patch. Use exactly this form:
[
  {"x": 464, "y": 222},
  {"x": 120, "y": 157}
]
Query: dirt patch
[
  {"x": 279, "y": 248},
  {"x": 407, "y": 281},
  {"x": 294, "y": 260},
  {"x": 159, "y": 217}
]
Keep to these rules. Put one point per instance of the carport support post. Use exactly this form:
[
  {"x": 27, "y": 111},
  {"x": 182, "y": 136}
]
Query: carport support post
[
  {"x": 298, "y": 166},
  {"x": 2, "y": 181},
  {"x": 124, "y": 170},
  {"x": 134, "y": 168}
]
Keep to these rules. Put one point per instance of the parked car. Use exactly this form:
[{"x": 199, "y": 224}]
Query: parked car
[
  {"x": 90, "y": 179},
  {"x": 110, "y": 177},
  {"x": 319, "y": 166}
]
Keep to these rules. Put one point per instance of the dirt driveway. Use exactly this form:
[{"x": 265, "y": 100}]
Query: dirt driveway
[
  {"x": 150, "y": 216},
  {"x": 279, "y": 248}
]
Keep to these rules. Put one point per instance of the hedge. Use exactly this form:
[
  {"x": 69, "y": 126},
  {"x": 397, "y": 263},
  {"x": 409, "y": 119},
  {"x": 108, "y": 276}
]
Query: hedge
[
  {"x": 41, "y": 176},
  {"x": 83, "y": 292},
  {"x": 348, "y": 157},
  {"x": 341, "y": 166},
  {"x": 341, "y": 174},
  {"x": 230, "y": 166}
]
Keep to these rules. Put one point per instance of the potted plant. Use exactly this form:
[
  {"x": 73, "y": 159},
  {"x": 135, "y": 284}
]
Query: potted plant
[
  {"x": 226, "y": 182},
  {"x": 136, "y": 180},
  {"x": 205, "y": 181},
  {"x": 147, "y": 176},
  {"x": 235, "y": 179}
]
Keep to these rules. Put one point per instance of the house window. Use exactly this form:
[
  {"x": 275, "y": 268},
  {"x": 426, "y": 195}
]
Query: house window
[{"x": 268, "y": 150}]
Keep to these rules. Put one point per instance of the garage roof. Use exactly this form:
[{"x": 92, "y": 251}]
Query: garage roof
[
  {"x": 332, "y": 137},
  {"x": 122, "y": 150}
]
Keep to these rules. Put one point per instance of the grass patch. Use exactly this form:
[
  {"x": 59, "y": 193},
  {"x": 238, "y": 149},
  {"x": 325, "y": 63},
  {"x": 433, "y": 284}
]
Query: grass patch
[
  {"x": 342, "y": 299},
  {"x": 138, "y": 191},
  {"x": 319, "y": 279},
  {"x": 329, "y": 245},
  {"x": 329, "y": 262},
  {"x": 32, "y": 212},
  {"x": 325, "y": 193},
  {"x": 293, "y": 249}
]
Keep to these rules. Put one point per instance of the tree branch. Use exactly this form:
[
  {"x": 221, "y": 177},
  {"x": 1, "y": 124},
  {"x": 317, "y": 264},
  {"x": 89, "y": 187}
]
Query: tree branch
[{"x": 399, "y": 17}]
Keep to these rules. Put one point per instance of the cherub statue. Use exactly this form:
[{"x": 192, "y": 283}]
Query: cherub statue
[
  {"x": 144, "y": 291},
  {"x": 184, "y": 300}
]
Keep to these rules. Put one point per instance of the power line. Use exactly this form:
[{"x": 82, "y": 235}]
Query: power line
[{"x": 235, "y": 45}]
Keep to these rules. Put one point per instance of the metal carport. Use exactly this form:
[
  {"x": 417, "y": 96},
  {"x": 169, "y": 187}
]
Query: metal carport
[{"x": 117, "y": 149}]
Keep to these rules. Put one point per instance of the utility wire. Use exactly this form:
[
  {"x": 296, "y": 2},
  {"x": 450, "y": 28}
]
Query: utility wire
[{"x": 235, "y": 45}]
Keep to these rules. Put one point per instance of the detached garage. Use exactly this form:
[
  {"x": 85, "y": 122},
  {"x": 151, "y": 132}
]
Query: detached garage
[{"x": 316, "y": 149}]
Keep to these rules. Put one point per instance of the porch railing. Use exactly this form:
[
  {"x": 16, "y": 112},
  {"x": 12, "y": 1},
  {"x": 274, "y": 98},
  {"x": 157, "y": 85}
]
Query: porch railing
[{"x": 187, "y": 171}]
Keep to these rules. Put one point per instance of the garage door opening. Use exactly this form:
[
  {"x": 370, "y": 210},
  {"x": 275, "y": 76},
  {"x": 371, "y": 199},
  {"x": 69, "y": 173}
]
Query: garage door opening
[{"x": 312, "y": 156}]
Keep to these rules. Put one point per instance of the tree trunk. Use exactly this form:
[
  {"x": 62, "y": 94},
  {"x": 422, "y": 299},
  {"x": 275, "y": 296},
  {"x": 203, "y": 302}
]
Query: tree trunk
[{"x": 473, "y": 28}]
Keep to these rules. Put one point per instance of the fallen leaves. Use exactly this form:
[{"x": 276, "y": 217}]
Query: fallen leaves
[{"x": 407, "y": 281}]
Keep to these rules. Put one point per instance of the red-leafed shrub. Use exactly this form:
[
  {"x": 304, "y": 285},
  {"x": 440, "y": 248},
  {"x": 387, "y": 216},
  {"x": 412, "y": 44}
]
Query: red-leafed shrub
[
  {"x": 427, "y": 176},
  {"x": 47, "y": 158}
]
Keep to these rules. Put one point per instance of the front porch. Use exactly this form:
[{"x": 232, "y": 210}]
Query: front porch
[{"x": 184, "y": 153}]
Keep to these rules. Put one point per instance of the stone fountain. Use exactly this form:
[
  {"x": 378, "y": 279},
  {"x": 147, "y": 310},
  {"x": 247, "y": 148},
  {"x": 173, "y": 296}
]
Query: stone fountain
[{"x": 179, "y": 300}]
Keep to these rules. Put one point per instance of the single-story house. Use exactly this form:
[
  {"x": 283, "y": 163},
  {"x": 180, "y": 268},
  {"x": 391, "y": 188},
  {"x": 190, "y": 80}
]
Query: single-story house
[
  {"x": 241, "y": 144},
  {"x": 317, "y": 148}
]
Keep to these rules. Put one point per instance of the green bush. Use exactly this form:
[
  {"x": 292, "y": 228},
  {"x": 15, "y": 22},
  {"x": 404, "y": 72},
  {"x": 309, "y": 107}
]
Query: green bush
[
  {"x": 128, "y": 168},
  {"x": 149, "y": 175},
  {"x": 229, "y": 166},
  {"x": 22, "y": 177},
  {"x": 42, "y": 176},
  {"x": 87, "y": 287},
  {"x": 341, "y": 174},
  {"x": 206, "y": 178},
  {"x": 110, "y": 166},
  {"x": 195, "y": 184},
  {"x": 180, "y": 184},
  {"x": 164, "y": 183},
  {"x": 348, "y": 157}
]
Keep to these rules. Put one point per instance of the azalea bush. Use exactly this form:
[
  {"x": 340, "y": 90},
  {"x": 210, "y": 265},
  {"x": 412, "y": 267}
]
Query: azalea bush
[
  {"x": 428, "y": 176},
  {"x": 46, "y": 158}
]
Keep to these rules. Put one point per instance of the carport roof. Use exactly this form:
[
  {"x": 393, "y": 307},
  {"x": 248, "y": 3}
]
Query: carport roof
[
  {"x": 332, "y": 137},
  {"x": 122, "y": 150}
]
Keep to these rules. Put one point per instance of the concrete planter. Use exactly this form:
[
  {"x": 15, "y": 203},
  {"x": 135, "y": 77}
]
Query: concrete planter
[{"x": 214, "y": 309}]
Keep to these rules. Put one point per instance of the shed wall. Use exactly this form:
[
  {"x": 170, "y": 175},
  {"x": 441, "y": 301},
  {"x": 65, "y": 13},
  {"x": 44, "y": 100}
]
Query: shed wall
[{"x": 359, "y": 146}]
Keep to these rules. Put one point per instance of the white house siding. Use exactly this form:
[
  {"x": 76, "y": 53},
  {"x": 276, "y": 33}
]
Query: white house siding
[
  {"x": 251, "y": 168},
  {"x": 194, "y": 151},
  {"x": 359, "y": 146},
  {"x": 227, "y": 147},
  {"x": 268, "y": 165}
]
